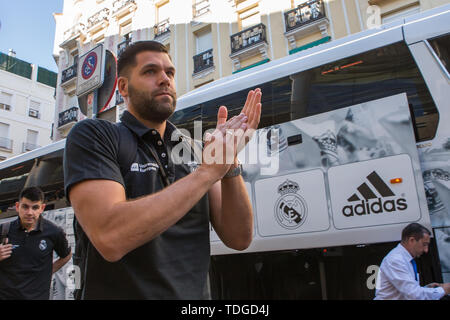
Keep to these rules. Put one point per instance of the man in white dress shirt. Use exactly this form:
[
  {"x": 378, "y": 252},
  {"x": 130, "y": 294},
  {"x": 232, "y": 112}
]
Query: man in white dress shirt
[{"x": 398, "y": 278}]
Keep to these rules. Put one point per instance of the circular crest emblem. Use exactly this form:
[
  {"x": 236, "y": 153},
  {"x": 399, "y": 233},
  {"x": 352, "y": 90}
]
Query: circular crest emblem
[
  {"x": 43, "y": 245},
  {"x": 89, "y": 65},
  {"x": 290, "y": 209}
]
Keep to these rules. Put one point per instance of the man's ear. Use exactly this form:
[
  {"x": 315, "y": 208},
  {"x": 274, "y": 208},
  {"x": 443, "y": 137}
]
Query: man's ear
[
  {"x": 17, "y": 207},
  {"x": 122, "y": 86}
]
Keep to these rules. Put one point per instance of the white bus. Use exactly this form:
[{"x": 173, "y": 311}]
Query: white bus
[{"x": 353, "y": 145}]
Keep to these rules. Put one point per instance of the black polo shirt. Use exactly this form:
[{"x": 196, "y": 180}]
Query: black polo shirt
[
  {"x": 174, "y": 265},
  {"x": 28, "y": 272}
]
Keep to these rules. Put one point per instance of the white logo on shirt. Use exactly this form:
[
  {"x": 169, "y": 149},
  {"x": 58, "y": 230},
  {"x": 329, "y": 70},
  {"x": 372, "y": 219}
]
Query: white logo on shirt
[
  {"x": 136, "y": 167},
  {"x": 43, "y": 245}
]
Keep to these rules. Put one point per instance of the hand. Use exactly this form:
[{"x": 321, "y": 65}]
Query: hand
[
  {"x": 446, "y": 287},
  {"x": 230, "y": 137},
  {"x": 252, "y": 109},
  {"x": 220, "y": 149},
  {"x": 5, "y": 250}
]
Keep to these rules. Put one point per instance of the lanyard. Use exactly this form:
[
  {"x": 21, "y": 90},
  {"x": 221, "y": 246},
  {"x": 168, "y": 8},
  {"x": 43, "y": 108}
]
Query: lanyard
[{"x": 147, "y": 150}]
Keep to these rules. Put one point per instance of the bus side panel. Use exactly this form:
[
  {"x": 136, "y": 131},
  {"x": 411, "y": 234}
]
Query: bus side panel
[
  {"x": 327, "y": 180},
  {"x": 435, "y": 153}
]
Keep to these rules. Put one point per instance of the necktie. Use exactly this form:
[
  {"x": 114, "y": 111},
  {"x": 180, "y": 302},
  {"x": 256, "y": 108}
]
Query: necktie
[{"x": 413, "y": 262}]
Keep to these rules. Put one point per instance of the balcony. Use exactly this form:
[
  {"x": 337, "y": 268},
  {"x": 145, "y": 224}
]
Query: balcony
[
  {"x": 6, "y": 144},
  {"x": 307, "y": 18},
  {"x": 203, "y": 61},
  {"x": 248, "y": 38},
  {"x": 26, "y": 146},
  {"x": 69, "y": 79},
  {"x": 34, "y": 113},
  {"x": 162, "y": 30},
  {"x": 72, "y": 34},
  {"x": 67, "y": 118},
  {"x": 69, "y": 74},
  {"x": 121, "y": 8},
  {"x": 122, "y": 46},
  {"x": 247, "y": 43},
  {"x": 98, "y": 21}
]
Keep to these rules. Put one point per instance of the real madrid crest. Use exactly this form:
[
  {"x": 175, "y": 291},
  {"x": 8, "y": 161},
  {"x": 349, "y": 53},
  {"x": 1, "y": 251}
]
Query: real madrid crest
[
  {"x": 43, "y": 245},
  {"x": 290, "y": 209}
]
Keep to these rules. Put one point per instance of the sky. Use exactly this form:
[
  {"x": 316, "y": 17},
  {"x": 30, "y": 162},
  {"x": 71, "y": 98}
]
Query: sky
[{"x": 28, "y": 27}]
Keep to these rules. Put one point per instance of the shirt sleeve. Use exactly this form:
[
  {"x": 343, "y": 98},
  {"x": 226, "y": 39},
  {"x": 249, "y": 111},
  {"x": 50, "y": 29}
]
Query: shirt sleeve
[
  {"x": 91, "y": 153},
  {"x": 62, "y": 247},
  {"x": 400, "y": 278}
]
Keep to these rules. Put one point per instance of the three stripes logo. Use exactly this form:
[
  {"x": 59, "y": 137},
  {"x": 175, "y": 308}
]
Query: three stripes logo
[{"x": 371, "y": 203}]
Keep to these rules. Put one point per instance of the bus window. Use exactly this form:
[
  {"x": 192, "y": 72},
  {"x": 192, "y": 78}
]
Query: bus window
[
  {"x": 364, "y": 77},
  {"x": 441, "y": 47},
  {"x": 45, "y": 172},
  {"x": 368, "y": 76},
  {"x": 184, "y": 119},
  {"x": 235, "y": 102}
]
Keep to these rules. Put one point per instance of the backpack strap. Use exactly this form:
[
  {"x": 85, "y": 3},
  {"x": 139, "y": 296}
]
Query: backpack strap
[
  {"x": 5, "y": 231},
  {"x": 127, "y": 148}
]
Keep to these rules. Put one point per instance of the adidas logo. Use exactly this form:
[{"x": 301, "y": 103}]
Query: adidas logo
[{"x": 372, "y": 203}]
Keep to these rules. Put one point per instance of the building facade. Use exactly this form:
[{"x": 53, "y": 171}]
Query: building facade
[
  {"x": 207, "y": 39},
  {"x": 27, "y": 106}
]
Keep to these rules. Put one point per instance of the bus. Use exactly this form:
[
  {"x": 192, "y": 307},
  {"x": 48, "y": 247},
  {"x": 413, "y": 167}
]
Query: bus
[{"x": 353, "y": 145}]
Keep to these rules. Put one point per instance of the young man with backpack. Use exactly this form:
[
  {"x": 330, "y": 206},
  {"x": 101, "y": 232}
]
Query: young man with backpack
[
  {"x": 26, "y": 250},
  {"x": 142, "y": 219}
]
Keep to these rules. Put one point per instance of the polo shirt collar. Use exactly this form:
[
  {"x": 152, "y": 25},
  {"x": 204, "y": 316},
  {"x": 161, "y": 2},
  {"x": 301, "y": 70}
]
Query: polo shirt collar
[
  {"x": 39, "y": 225},
  {"x": 140, "y": 129},
  {"x": 405, "y": 252}
]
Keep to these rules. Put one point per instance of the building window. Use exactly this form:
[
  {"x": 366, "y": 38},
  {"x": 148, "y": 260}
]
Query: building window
[
  {"x": 5, "y": 101},
  {"x": 162, "y": 11},
  {"x": 73, "y": 57},
  {"x": 203, "y": 40},
  {"x": 31, "y": 143},
  {"x": 34, "y": 110},
  {"x": 125, "y": 30},
  {"x": 5, "y": 142},
  {"x": 200, "y": 7},
  {"x": 162, "y": 18},
  {"x": 203, "y": 58},
  {"x": 247, "y": 16}
]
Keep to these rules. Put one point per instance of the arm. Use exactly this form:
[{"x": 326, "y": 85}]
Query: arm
[
  {"x": 231, "y": 210},
  {"x": 58, "y": 264},
  {"x": 107, "y": 222}
]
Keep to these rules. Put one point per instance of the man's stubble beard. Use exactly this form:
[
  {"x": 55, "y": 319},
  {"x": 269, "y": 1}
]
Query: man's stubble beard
[{"x": 146, "y": 106}]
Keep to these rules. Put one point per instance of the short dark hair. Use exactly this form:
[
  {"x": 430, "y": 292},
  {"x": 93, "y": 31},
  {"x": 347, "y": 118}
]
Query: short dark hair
[
  {"x": 128, "y": 57},
  {"x": 32, "y": 194},
  {"x": 415, "y": 230}
]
